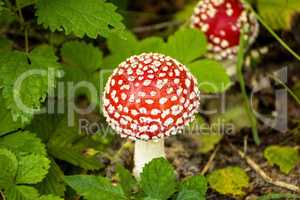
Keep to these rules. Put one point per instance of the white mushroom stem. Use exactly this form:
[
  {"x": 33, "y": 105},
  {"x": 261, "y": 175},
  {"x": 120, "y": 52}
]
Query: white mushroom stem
[{"x": 145, "y": 151}]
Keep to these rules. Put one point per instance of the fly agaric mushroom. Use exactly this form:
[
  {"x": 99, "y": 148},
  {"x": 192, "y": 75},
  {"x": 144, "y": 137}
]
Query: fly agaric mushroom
[
  {"x": 147, "y": 98},
  {"x": 222, "y": 22}
]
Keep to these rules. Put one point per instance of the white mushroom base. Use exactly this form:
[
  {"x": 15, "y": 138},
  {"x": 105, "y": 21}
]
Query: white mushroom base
[{"x": 145, "y": 151}]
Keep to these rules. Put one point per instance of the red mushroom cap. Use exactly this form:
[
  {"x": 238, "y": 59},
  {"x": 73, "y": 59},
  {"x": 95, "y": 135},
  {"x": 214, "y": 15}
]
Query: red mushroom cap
[
  {"x": 221, "y": 21},
  {"x": 150, "y": 96}
]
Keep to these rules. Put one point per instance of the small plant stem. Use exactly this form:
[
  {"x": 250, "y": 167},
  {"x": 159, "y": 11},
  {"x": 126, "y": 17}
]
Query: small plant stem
[
  {"x": 239, "y": 70},
  {"x": 263, "y": 174},
  {"x": 23, "y": 27},
  {"x": 286, "y": 87},
  {"x": 210, "y": 161}
]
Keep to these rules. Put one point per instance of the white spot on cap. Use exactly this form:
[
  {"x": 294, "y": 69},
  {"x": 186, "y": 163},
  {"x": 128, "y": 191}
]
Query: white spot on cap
[
  {"x": 134, "y": 112},
  {"x": 147, "y": 82},
  {"x": 123, "y": 96},
  {"x": 153, "y": 93},
  {"x": 176, "y": 80},
  {"x": 169, "y": 121},
  {"x": 155, "y": 111},
  {"x": 153, "y": 128},
  {"x": 149, "y": 101},
  {"x": 163, "y": 100}
]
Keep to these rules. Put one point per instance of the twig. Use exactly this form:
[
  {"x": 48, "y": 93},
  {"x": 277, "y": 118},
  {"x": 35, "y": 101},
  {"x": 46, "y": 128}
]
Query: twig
[
  {"x": 263, "y": 174},
  {"x": 158, "y": 26},
  {"x": 209, "y": 163}
]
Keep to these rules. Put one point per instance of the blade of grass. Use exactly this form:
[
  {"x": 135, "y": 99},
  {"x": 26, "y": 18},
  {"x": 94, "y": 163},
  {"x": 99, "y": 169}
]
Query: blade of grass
[{"x": 240, "y": 62}]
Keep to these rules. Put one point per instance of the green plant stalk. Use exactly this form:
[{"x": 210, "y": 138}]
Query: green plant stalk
[{"x": 250, "y": 114}]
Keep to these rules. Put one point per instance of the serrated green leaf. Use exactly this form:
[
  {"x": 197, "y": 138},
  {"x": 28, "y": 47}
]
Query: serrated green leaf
[
  {"x": 43, "y": 125},
  {"x": 23, "y": 142},
  {"x": 186, "y": 45},
  {"x": 158, "y": 179},
  {"x": 95, "y": 187},
  {"x": 189, "y": 195},
  {"x": 69, "y": 144},
  {"x": 196, "y": 183},
  {"x": 7, "y": 124},
  {"x": 32, "y": 168},
  {"x": 50, "y": 197},
  {"x": 127, "y": 181},
  {"x": 54, "y": 182},
  {"x": 211, "y": 75},
  {"x": 92, "y": 17},
  {"x": 81, "y": 55},
  {"x": 20, "y": 192},
  {"x": 81, "y": 62},
  {"x": 278, "y": 14},
  {"x": 31, "y": 89},
  {"x": 229, "y": 181},
  {"x": 8, "y": 168},
  {"x": 285, "y": 157}
]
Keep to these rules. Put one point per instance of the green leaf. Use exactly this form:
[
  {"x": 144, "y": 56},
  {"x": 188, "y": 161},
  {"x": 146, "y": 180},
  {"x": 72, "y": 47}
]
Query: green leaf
[
  {"x": 21, "y": 193},
  {"x": 81, "y": 61},
  {"x": 284, "y": 157},
  {"x": 186, "y": 12},
  {"x": 77, "y": 54},
  {"x": 50, "y": 197},
  {"x": 8, "y": 168},
  {"x": 33, "y": 89},
  {"x": 127, "y": 181},
  {"x": 54, "y": 182},
  {"x": 23, "y": 142},
  {"x": 207, "y": 142},
  {"x": 229, "y": 181},
  {"x": 7, "y": 124},
  {"x": 235, "y": 115},
  {"x": 278, "y": 14},
  {"x": 32, "y": 168},
  {"x": 69, "y": 144},
  {"x": 5, "y": 44},
  {"x": 95, "y": 187},
  {"x": 186, "y": 45},
  {"x": 158, "y": 179},
  {"x": 211, "y": 75},
  {"x": 121, "y": 48},
  {"x": 92, "y": 17},
  {"x": 196, "y": 183},
  {"x": 189, "y": 195}
]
